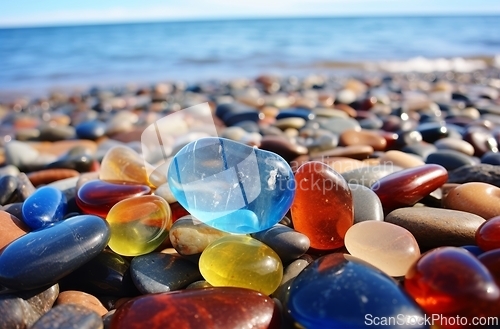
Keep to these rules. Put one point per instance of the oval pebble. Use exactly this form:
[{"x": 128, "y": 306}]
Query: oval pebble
[
  {"x": 213, "y": 308},
  {"x": 241, "y": 261},
  {"x": 83, "y": 299},
  {"x": 75, "y": 240},
  {"x": 46, "y": 206},
  {"x": 338, "y": 291},
  {"x": 434, "y": 227},
  {"x": 481, "y": 199},
  {"x": 389, "y": 247},
  {"x": 367, "y": 205},
  {"x": 286, "y": 242}
]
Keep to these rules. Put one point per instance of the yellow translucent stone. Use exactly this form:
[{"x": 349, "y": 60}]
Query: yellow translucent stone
[
  {"x": 139, "y": 225},
  {"x": 123, "y": 164},
  {"x": 391, "y": 248},
  {"x": 241, "y": 261}
]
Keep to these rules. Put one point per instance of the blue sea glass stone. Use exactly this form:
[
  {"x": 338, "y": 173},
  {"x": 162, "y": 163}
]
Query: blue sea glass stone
[
  {"x": 44, "y": 207},
  {"x": 231, "y": 186},
  {"x": 341, "y": 291}
]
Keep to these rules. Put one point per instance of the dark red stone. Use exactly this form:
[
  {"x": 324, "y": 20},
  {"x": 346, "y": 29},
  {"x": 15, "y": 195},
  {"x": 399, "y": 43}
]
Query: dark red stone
[
  {"x": 488, "y": 234},
  {"x": 406, "y": 187},
  {"x": 178, "y": 211},
  {"x": 491, "y": 259},
  {"x": 97, "y": 197},
  {"x": 452, "y": 282},
  {"x": 482, "y": 140},
  {"x": 209, "y": 308}
]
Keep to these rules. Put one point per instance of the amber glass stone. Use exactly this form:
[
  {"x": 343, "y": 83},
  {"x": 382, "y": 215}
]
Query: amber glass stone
[
  {"x": 406, "y": 187},
  {"x": 96, "y": 197},
  {"x": 208, "y": 308},
  {"x": 451, "y": 282},
  {"x": 323, "y": 207}
]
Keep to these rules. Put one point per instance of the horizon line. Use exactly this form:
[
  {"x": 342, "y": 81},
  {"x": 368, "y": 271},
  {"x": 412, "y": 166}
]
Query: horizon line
[{"x": 242, "y": 18}]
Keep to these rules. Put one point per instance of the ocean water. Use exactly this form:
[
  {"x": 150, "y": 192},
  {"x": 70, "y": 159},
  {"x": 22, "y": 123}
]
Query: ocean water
[{"x": 45, "y": 57}]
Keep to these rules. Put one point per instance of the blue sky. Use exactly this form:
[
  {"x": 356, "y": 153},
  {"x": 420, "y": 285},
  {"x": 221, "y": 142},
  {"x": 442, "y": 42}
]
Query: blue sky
[{"x": 57, "y": 12}]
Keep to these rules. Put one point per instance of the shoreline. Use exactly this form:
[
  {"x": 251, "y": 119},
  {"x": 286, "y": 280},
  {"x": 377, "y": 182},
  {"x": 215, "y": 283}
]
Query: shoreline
[{"x": 456, "y": 64}]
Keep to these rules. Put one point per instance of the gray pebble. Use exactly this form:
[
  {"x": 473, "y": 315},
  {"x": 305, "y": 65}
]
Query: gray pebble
[
  {"x": 367, "y": 205},
  {"x": 286, "y": 242}
]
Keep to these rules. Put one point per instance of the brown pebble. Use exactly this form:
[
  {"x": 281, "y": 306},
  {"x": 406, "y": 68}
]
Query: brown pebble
[
  {"x": 48, "y": 176},
  {"x": 434, "y": 227},
  {"x": 83, "y": 299},
  {"x": 363, "y": 137},
  {"x": 282, "y": 146},
  {"x": 11, "y": 228},
  {"x": 401, "y": 159},
  {"x": 481, "y": 199},
  {"x": 347, "y": 109}
]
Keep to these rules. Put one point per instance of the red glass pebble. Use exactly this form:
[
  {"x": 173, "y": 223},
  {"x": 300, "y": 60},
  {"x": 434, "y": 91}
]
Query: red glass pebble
[
  {"x": 209, "y": 308},
  {"x": 406, "y": 187},
  {"x": 97, "y": 197},
  {"x": 488, "y": 234},
  {"x": 178, "y": 211},
  {"x": 323, "y": 206},
  {"x": 451, "y": 282}
]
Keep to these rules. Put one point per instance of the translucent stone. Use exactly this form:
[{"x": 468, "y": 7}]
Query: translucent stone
[
  {"x": 389, "y": 247},
  {"x": 46, "y": 206},
  {"x": 139, "y": 225},
  {"x": 230, "y": 186},
  {"x": 241, "y": 261},
  {"x": 96, "y": 197},
  {"x": 323, "y": 205},
  {"x": 123, "y": 164}
]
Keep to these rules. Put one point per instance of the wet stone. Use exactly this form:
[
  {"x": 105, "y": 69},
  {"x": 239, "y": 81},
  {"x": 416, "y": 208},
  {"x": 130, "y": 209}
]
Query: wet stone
[
  {"x": 488, "y": 234},
  {"x": 48, "y": 176},
  {"x": 75, "y": 240},
  {"x": 158, "y": 272},
  {"x": 433, "y": 131},
  {"x": 367, "y": 204},
  {"x": 25, "y": 188},
  {"x": 323, "y": 206},
  {"x": 97, "y": 197},
  {"x": 252, "y": 188},
  {"x": 389, "y": 247},
  {"x": 69, "y": 316},
  {"x": 286, "y": 242},
  {"x": 481, "y": 139},
  {"x": 139, "y": 225},
  {"x": 408, "y": 186},
  {"x": 452, "y": 282},
  {"x": 190, "y": 236},
  {"x": 481, "y": 199},
  {"x": 449, "y": 159},
  {"x": 484, "y": 173},
  {"x": 44, "y": 207},
  {"x": 434, "y": 227},
  {"x": 175, "y": 310},
  {"x": 106, "y": 274},
  {"x": 241, "y": 261},
  {"x": 350, "y": 289},
  {"x": 8, "y": 188},
  {"x": 21, "y": 310}
]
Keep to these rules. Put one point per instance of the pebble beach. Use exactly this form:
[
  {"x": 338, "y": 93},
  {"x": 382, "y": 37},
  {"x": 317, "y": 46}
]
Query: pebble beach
[{"x": 367, "y": 196}]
